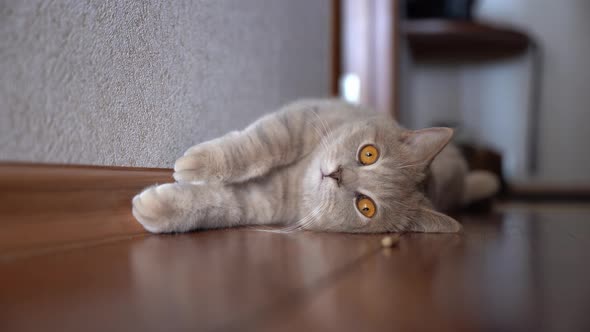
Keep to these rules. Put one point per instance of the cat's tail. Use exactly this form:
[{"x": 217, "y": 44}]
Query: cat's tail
[{"x": 479, "y": 185}]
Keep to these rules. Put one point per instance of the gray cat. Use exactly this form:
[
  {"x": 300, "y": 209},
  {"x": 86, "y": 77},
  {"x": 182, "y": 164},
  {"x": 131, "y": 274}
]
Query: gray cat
[{"x": 319, "y": 165}]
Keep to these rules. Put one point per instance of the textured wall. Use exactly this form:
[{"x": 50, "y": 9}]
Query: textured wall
[{"x": 137, "y": 82}]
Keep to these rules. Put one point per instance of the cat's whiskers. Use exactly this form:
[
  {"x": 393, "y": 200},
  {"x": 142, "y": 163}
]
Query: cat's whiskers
[
  {"x": 315, "y": 212},
  {"x": 410, "y": 165},
  {"x": 298, "y": 225},
  {"x": 321, "y": 137},
  {"x": 326, "y": 205},
  {"x": 327, "y": 131},
  {"x": 322, "y": 122},
  {"x": 307, "y": 220}
]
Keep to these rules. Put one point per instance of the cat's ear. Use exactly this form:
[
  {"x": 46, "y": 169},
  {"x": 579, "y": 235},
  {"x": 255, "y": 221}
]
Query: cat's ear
[
  {"x": 424, "y": 144},
  {"x": 430, "y": 221}
]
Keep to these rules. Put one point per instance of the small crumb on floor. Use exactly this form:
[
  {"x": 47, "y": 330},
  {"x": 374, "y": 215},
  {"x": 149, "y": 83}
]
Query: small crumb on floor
[{"x": 389, "y": 241}]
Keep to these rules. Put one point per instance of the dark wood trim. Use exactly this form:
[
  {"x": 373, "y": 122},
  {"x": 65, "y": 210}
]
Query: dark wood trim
[
  {"x": 43, "y": 207},
  {"x": 57, "y": 178},
  {"x": 548, "y": 192},
  {"x": 386, "y": 56},
  {"x": 439, "y": 39},
  {"x": 336, "y": 51},
  {"x": 370, "y": 49},
  {"x": 83, "y": 166},
  {"x": 396, "y": 57}
]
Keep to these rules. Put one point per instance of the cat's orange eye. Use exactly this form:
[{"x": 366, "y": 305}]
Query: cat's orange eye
[
  {"x": 368, "y": 154},
  {"x": 366, "y": 206}
]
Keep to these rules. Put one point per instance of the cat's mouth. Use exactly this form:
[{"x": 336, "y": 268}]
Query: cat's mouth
[{"x": 335, "y": 175}]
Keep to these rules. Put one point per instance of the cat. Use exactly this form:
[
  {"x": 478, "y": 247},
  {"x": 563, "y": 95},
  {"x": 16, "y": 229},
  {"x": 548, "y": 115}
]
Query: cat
[{"x": 322, "y": 165}]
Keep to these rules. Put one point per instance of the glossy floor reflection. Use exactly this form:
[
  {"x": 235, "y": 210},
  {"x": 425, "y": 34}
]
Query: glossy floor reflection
[{"x": 522, "y": 268}]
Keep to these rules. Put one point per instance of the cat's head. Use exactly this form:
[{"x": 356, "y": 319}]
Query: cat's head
[{"x": 368, "y": 176}]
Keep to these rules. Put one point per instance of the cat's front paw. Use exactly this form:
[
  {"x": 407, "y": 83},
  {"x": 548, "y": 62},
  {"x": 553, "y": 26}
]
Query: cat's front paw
[
  {"x": 155, "y": 210},
  {"x": 198, "y": 166}
]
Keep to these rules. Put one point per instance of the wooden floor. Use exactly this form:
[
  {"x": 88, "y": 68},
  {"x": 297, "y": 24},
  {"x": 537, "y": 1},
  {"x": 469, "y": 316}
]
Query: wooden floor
[{"x": 521, "y": 268}]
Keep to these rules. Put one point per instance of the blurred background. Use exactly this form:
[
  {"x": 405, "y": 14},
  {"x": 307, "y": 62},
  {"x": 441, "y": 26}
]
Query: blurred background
[
  {"x": 130, "y": 83},
  {"x": 508, "y": 75}
]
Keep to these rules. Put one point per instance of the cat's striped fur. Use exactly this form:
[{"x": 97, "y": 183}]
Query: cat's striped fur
[{"x": 272, "y": 173}]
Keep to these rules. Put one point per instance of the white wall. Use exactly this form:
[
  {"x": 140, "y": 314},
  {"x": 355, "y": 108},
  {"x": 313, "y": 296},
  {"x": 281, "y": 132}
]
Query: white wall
[
  {"x": 493, "y": 98},
  {"x": 135, "y": 83}
]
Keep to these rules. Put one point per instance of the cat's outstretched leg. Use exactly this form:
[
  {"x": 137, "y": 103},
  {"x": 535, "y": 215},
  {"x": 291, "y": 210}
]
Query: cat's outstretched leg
[
  {"x": 275, "y": 140},
  {"x": 180, "y": 207},
  {"x": 177, "y": 207}
]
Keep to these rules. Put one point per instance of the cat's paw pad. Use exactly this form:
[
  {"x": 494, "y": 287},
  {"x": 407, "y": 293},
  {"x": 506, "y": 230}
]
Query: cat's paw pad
[{"x": 154, "y": 208}]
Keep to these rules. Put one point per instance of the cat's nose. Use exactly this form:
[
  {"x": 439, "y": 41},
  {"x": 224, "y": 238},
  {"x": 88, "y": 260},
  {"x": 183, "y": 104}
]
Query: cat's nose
[{"x": 337, "y": 175}]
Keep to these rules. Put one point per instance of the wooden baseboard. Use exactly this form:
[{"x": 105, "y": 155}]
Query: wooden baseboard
[
  {"x": 51, "y": 206},
  {"x": 548, "y": 192}
]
